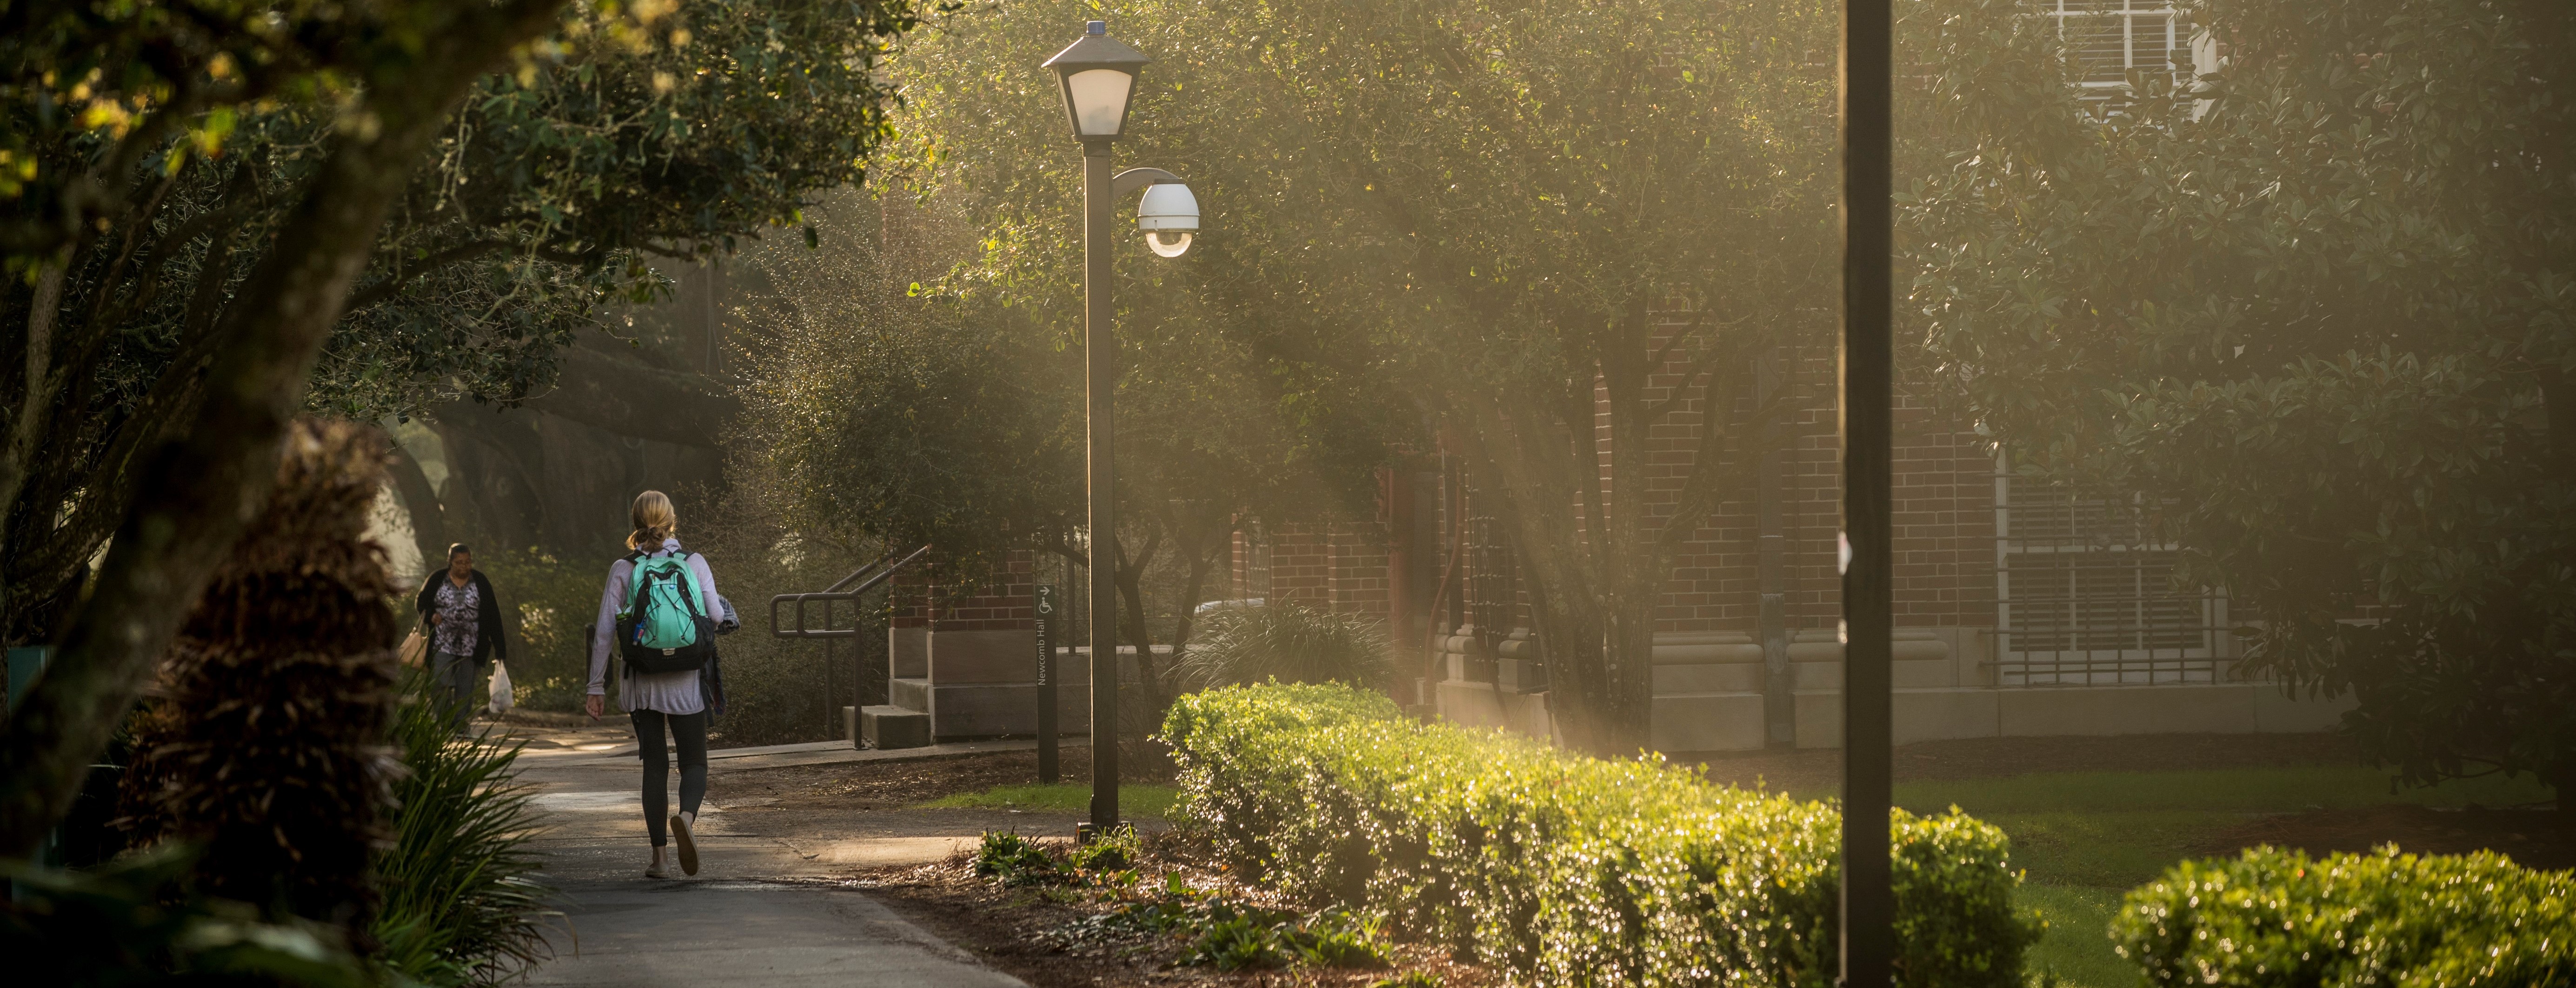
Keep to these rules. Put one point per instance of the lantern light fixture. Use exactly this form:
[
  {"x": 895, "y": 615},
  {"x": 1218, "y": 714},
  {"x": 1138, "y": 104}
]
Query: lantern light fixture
[{"x": 1096, "y": 75}]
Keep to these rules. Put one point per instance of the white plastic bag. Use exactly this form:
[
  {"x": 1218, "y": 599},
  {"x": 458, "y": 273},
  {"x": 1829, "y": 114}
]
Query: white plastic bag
[{"x": 502, "y": 696}]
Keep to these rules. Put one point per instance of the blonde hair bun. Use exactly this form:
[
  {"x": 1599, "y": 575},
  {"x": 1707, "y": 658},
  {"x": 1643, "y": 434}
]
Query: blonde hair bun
[{"x": 655, "y": 520}]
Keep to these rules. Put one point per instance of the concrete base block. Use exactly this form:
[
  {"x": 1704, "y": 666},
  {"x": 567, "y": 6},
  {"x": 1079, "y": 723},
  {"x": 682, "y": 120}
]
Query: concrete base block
[
  {"x": 988, "y": 710},
  {"x": 908, "y": 652},
  {"x": 1707, "y": 721},
  {"x": 1470, "y": 704},
  {"x": 1708, "y": 677},
  {"x": 1909, "y": 673},
  {"x": 2219, "y": 708},
  {"x": 894, "y": 727},
  {"x": 1919, "y": 715},
  {"x": 1008, "y": 656}
]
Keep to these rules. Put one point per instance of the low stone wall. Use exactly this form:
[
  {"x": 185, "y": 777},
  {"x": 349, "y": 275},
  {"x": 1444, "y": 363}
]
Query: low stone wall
[{"x": 1708, "y": 697}]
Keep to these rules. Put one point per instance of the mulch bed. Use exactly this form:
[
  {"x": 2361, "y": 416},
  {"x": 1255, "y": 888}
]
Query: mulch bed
[
  {"x": 898, "y": 784},
  {"x": 1029, "y": 932}
]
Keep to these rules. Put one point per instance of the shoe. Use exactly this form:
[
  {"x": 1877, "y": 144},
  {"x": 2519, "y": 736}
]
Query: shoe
[
  {"x": 657, "y": 869},
  {"x": 687, "y": 843}
]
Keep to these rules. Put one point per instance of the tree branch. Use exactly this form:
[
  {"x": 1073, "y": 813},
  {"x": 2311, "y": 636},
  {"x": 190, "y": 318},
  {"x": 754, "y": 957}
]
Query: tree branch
[
  {"x": 390, "y": 285},
  {"x": 198, "y": 493}
]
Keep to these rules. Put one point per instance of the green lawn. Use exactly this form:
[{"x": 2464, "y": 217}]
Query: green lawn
[{"x": 1063, "y": 797}]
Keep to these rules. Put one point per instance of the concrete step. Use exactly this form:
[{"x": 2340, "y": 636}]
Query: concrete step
[{"x": 888, "y": 727}]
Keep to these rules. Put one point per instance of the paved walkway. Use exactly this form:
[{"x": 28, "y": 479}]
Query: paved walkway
[{"x": 755, "y": 915}]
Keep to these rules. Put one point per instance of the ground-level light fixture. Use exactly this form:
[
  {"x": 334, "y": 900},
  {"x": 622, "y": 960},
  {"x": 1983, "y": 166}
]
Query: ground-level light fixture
[{"x": 1096, "y": 76}]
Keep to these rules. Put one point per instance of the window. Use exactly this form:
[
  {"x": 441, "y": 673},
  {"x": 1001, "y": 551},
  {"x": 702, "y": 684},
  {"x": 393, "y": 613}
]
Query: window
[
  {"x": 2111, "y": 37},
  {"x": 2085, "y": 598}
]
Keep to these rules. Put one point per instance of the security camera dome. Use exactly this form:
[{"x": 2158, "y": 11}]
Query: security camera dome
[{"x": 1168, "y": 210}]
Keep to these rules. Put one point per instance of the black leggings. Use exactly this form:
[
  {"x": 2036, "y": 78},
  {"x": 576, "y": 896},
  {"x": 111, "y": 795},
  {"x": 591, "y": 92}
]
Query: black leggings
[{"x": 690, "y": 730}]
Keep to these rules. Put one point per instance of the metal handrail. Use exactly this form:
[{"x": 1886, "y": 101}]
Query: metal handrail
[{"x": 882, "y": 572}]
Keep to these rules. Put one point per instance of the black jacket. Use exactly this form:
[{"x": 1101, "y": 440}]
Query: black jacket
[{"x": 488, "y": 642}]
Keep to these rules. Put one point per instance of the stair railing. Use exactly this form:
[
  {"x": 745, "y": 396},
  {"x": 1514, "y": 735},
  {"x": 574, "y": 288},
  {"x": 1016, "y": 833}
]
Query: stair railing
[{"x": 873, "y": 574}]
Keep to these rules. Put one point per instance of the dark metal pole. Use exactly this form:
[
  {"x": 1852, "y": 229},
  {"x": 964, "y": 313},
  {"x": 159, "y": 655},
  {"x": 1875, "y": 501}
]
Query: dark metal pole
[
  {"x": 1047, "y": 603},
  {"x": 1100, "y": 374},
  {"x": 1868, "y": 399},
  {"x": 1771, "y": 567}
]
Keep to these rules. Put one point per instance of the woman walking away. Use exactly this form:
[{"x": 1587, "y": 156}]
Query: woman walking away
[
  {"x": 464, "y": 626},
  {"x": 657, "y": 616}
]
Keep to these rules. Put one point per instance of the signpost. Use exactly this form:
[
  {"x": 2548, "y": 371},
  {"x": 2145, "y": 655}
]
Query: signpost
[{"x": 1046, "y": 612}]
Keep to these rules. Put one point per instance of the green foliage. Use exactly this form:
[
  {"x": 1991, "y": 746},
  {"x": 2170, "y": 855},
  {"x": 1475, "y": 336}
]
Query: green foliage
[
  {"x": 1289, "y": 642},
  {"x": 460, "y": 907},
  {"x": 133, "y": 924},
  {"x": 150, "y": 184},
  {"x": 1465, "y": 212},
  {"x": 1017, "y": 861},
  {"x": 888, "y": 419},
  {"x": 1232, "y": 936},
  {"x": 1409, "y": 979},
  {"x": 2319, "y": 321},
  {"x": 2278, "y": 918},
  {"x": 556, "y": 602},
  {"x": 1565, "y": 869},
  {"x": 1117, "y": 850}
]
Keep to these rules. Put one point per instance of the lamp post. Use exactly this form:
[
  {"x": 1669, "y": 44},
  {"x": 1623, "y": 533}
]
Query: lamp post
[
  {"x": 1868, "y": 401},
  {"x": 1096, "y": 76}
]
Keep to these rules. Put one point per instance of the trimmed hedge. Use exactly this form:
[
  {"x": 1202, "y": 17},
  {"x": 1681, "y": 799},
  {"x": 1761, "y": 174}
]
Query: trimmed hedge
[
  {"x": 1563, "y": 869},
  {"x": 2272, "y": 917}
]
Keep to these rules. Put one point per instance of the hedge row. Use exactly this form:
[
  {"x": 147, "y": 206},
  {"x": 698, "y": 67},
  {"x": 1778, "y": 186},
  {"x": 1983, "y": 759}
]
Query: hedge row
[
  {"x": 2278, "y": 918},
  {"x": 1562, "y": 869}
]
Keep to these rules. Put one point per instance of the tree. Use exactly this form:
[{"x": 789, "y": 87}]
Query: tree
[
  {"x": 2322, "y": 318},
  {"x": 1486, "y": 212},
  {"x": 188, "y": 242},
  {"x": 896, "y": 413}
]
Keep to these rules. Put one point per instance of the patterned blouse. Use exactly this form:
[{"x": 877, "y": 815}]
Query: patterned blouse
[{"x": 459, "y": 614}]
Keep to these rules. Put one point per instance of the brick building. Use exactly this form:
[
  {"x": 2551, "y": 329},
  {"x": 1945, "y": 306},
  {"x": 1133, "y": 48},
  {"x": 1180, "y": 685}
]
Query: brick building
[{"x": 2020, "y": 609}]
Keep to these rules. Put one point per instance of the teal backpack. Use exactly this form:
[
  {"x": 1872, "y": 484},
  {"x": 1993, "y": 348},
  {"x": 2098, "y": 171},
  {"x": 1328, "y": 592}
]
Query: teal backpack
[{"x": 665, "y": 627}]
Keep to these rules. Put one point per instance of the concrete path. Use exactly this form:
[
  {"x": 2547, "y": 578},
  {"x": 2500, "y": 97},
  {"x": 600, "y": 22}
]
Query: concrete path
[{"x": 760, "y": 912}]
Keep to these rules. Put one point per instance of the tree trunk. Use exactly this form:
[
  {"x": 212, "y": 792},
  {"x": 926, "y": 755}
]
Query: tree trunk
[
  {"x": 420, "y": 501},
  {"x": 197, "y": 493}
]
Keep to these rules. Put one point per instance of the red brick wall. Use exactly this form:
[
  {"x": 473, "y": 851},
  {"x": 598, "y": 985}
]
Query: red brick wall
[
  {"x": 1944, "y": 517},
  {"x": 1000, "y": 603}
]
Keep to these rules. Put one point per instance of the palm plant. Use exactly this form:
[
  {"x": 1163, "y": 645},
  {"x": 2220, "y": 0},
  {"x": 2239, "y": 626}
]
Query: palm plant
[
  {"x": 459, "y": 907},
  {"x": 264, "y": 743},
  {"x": 1289, "y": 642}
]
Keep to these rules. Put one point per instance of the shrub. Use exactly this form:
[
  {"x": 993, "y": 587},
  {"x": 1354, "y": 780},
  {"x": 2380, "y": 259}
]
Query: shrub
[
  {"x": 459, "y": 906},
  {"x": 1117, "y": 850},
  {"x": 1289, "y": 642},
  {"x": 1015, "y": 860},
  {"x": 1562, "y": 869},
  {"x": 555, "y": 602},
  {"x": 2274, "y": 917}
]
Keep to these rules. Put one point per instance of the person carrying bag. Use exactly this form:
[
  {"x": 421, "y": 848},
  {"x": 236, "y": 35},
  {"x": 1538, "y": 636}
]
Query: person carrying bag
[
  {"x": 463, "y": 618},
  {"x": 659, "y": 615}
]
